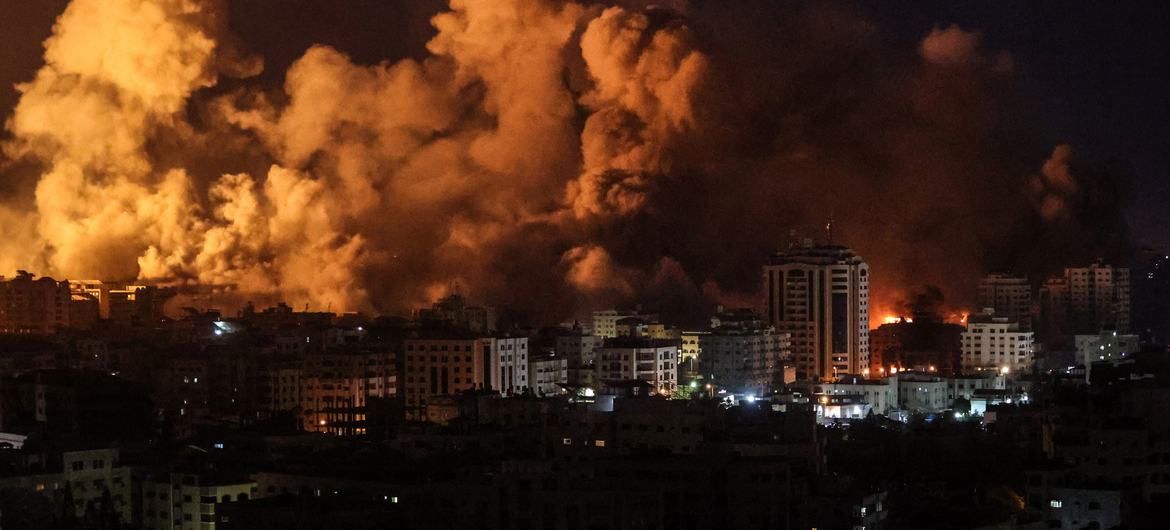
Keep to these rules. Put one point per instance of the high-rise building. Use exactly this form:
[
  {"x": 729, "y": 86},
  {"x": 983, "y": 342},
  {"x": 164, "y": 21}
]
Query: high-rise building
[
  {"x": 1086, "y": 300},
  {"x": 1010, "y": 297},
  {"x": 820, "y": 296},
  {"x": 992, "y": 342}
]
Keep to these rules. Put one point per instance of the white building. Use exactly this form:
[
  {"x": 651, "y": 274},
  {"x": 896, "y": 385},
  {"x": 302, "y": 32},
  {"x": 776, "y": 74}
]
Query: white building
[
  {"x": 509, "y": 364},
  {"x": 1105, "y": 346},
  {"x": 996, "y": 343},
  {"x": 964, "y": 386},
  {"x": 651, "y": 360},
  {"x": 922, "y": 393},
  {"x": 548, "y": 373},
  {"x": 1010, "y": 296},
  {"x": 820, "y": 295},
  {"x": 880, "y": 394}
]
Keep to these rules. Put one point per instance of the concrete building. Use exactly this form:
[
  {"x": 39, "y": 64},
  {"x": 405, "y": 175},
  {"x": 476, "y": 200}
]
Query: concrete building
[
  {"x": 744, "y": 356},
  {"x": 508, "y": 360},
  {"x": 966, "y": 386},
  {"x": 29, "y": 306},
  {"x": 335, "y": 388},
  {"x": 180, "y": 501},
  {"x": 688, "y": 359},
  {"x": 922, "y": 392},
  {"x": 548, "y": 372},
  {"x": 996, "y": 343},
  {"x": 820, "y": 295},
  {"x": 1086, "y": 300},
  {"x": 453, "y": 310},
  {"x": 881, "y": 395},
  {"x": 653, "y": 361},
  {"x": 576, "y": 346},
  {"x": 91, "y": 478},
  {"x": 1010, "y": 296},
  {"x": 1104, "y": 346},
  {"x": 441, "y": 367},
  {"x": 605, "y": 321}
]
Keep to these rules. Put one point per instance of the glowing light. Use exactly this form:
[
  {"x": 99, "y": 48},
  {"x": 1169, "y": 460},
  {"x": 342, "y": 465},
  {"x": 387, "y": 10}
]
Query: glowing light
[
  {"x": 322, "y": 422},
  {"x": 1005, "y": 370},
  {"x": 894, "y": 319},
  {"x": 751, "y": 398}
]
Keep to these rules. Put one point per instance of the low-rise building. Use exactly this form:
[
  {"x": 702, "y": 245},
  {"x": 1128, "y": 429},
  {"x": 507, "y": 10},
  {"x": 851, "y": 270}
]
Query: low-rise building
[
  {"x": 653, "y": 361},
  {"x": 183, "y": 501},
  {"x": 994, "y": 343},
  {"x": 548, "y": 372}
]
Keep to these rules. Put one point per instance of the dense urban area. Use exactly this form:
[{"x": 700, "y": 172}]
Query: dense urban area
[{"x": 1048, "y": 407}]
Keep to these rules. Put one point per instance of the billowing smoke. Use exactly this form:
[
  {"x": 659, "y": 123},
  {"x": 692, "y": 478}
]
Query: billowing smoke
[{"x": 546, "y": 155}]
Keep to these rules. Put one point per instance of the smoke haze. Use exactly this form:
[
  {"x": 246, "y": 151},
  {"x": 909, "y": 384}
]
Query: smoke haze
[{"x": 546, "y": 155}]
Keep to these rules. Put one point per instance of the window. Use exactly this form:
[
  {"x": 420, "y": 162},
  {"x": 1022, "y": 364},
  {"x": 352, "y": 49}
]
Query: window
[{"x": 1055, "y": 503}]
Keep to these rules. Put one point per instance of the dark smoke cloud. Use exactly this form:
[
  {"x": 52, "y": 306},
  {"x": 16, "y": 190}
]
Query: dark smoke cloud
[{"x": 545, "y": 155}]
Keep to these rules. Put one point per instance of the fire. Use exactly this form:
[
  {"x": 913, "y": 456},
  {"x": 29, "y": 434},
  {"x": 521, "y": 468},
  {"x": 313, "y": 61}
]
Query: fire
[{"x": 892, "y": 319}]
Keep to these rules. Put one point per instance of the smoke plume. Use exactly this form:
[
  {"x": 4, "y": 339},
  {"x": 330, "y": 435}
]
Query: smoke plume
[{"x": 547, "y": 155}]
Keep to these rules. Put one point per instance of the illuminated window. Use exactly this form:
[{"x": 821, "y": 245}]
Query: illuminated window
[
  {"x": 599, "y": 443},
  {"x": 1055, "y": 504},
  {"x": 567, "y": 441}
]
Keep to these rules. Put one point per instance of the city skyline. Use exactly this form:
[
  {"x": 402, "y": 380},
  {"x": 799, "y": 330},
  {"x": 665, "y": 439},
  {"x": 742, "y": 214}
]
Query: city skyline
[{"x": 185, "y": 176}]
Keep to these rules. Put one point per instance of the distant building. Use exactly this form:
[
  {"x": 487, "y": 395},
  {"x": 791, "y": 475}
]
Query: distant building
[
  {"x": 39, "y": 306},
  {"x": 881, "y": 395},
  {"x": 335, "y": 389},
  {"x": 605, "y": 322},
  {"x": 441, "y": 367},
  {"x": 743, "y": 355},
  {"x": 576, "y": 347},
  {"x": 454, "y": 311},
  {"x": 1104, "y": 346},
  {"x": 690, "y": 351},
  {"x": 85, "y": 479},
  {"x": 820, "y": 295},
  {"x": 653, "y": 361},
  {"x": 1010, "y": 296},
  {"x": 996, "y": 343},
  {"x": 508, "y": 363},
  {"x": 547, "y": 373},
  {"x": 182, "y": 501},
  {"x": 1086, "y": 300},
  {"x": 922, "y": 392}
]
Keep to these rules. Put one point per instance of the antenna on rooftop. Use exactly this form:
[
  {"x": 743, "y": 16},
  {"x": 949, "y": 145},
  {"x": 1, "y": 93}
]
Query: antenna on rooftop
[{"x": 829, "y": 228}]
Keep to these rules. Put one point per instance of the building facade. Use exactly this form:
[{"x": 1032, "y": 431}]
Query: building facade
[
  {"x": 1086, "y": 300},
  {"x": 1010, "y": 296},
  {"x": 653, "y": 361},
  {"x": 820, "y": 296},
  {"x": 508, "y": 363},
  {"x": 996, "y": 343},
  {"x": 441, "y": 367},
  {"x": 744, "y": 356}
]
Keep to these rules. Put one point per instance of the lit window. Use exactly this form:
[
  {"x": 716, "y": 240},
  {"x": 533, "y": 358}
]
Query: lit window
[
  {"x": 599, "y": 443},
  {"x": 1055, "y": 503},
  {"x": 567, "y": 441}
]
